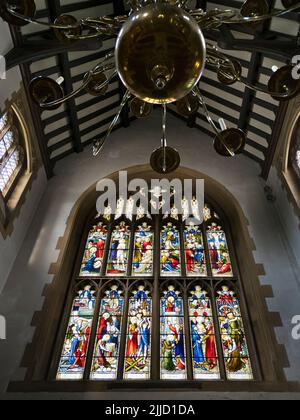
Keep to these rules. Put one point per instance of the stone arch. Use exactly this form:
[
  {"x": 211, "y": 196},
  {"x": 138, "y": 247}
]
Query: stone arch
[{"x": 271, "y": 357}]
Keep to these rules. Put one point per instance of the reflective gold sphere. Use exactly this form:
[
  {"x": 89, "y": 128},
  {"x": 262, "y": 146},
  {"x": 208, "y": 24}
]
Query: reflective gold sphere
[{"x": 160, "y": 53}]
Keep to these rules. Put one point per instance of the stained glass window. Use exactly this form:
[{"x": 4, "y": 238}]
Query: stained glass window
[
  {"x": 106, "y": 352},
  {"x": 205, "y": 359},
  {"x": 294, "y": 152},
  {"x": 218, "y": 251},
  {"x": 11, "y": 153},
  {"x": 143, "y": 251},
  {"x": 194, "y": 251},
  {"x": 193, "y": 329},
  {"x": 235, "y": 349},
  {"x": 170, "y": 251},
  {"x": 119, "y": 250},
  {"x": 172, "y": 337},
  {"x": 94, "y": 251},
  {"x": 138, "y": 343},
  {"x": 73, "y": 357}
]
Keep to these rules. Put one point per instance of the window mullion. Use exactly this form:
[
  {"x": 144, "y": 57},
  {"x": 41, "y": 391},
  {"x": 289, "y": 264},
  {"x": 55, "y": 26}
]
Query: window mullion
[
  {"x": 7, "y": 155},
  {"x": 206, "y": 249},
  {"x": 188, "y": 340},
  {"x": 218, "y": 333},
  {"x": 122, "y": 354},
  {"x": 155, "y": 334}
]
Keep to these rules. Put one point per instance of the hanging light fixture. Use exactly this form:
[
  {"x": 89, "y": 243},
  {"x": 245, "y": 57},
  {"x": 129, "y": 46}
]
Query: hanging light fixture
[{"x": 160, "y": 56}]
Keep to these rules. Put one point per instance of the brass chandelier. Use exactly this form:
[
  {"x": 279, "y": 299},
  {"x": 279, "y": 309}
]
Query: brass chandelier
[{"x": 160, "y": 55}]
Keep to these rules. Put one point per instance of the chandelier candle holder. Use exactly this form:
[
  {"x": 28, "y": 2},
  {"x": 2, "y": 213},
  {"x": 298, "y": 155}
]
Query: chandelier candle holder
[{"x": 160, "y": 56}]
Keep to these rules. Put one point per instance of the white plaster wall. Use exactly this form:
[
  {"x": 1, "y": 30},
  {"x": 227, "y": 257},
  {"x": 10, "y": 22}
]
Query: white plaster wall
[
  {"x": 21, "y": 296},
  {"x": 287, "y": 215},
  {"x": 10, "y": 247}
]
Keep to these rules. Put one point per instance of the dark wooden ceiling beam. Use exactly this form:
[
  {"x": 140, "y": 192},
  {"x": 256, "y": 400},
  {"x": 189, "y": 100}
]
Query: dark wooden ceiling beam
[
  {"x": 63, "y": 62},
  {"x": 35, "y": 111}
]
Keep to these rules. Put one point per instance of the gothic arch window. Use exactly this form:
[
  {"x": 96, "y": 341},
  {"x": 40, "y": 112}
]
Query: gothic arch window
[
  {"x": 156, "y": 298},
  {"x": 12, "y": 154},
  {"x": 294, "y": 152}
]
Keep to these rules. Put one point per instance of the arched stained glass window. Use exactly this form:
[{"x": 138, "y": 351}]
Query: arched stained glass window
[
  {"x": 138, "y": 343},
  {"x": 119, "y": 250},
  {"x": 172, "y": 310},
  {"x": 172, "y": 336},
  {"x": 73, "y": 357},
  {"x": 143, "y": 251},
  {"x": 12, "y": 155},
  {"x": 194, "y": 251},
  {"x": 106, "y": 352},
  {"x": 94, "y": 251},
  {"x": 170, "y": 250},
  {"x": 205, "y": 358},
  {"x": 294, "y": 152},
  {"x": 233, "y": 336},
  {"x": 218, "y": 251}
]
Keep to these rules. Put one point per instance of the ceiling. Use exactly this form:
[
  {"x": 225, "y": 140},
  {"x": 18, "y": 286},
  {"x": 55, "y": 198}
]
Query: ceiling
[{"x": 77, "y": 123}]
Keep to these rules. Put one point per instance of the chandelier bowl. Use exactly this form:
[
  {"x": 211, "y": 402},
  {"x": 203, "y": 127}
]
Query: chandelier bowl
[
  {"x": 160, "y": 54},
  {"x": 282, "y": 81},
  {"x": 165, "y": 160},
  {"x": 235, "y": 140},
  {"x": 44, "y": 90},
  {"x": 23, "y": 7}
]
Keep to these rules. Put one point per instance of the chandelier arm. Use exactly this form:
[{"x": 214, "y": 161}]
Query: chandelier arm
[
  {"x": 217, "y": 59},
  {"x": 38, "y": 22},
  {"x": 198, "y": 94},
  {"x": 99, "y": 32},
  {"x": 99, "y": 144},
  {"x": 105, "y": 30},
  {"x": 164, "y": 137},
  {"x": 97, "y": 69},
  {"x": 252, "y": 19}
]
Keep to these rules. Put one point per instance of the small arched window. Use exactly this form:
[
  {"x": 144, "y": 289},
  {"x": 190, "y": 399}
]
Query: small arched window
[
  {"x": 12, "y": 155},
  {"x": 156, "y": 298},
  {"x": 294, "y": 153}
]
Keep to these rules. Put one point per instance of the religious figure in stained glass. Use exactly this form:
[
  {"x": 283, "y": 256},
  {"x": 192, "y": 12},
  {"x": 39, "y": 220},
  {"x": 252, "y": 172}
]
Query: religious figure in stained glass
[
  {"x": 218, "y": 251},
  {"x": 73, "y": 358},
  {"x": 119, "y": 250},
  {"x": 143, "y": 251},
  {"x": 94, "y": 251},
  {"x": 173, "y": 363},
  {"x": 205, "y": 361},
  {"x": 106, "y": 352},
  {"x": 235, "y": 348},
  {"x": 138, "y": 346},
  {"x": 170, "y": 251},
  {"x": 194, "y": 251}
]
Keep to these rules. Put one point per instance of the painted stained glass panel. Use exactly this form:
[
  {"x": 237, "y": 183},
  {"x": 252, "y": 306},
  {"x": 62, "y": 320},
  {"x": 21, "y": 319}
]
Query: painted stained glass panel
[
  {"x": 194, "y": 251},
  {"x": 172, "y": 338},
  {"x": 94, "y": 251},
  {"x": 106, "y": 352},
  {"x": 143, "y": 251},
  {"x": 235, "y": 349},
  {"x": 73, "y": 358},
  {"x": 170, "y": 251},
  {"x": 138, "y": 343},
  {"x": 119, "y": 250},
  {"x": 205, "y": 360},
  {"x": 218, "y": 251}
]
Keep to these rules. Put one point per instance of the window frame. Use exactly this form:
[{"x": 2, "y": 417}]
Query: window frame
[
  {"x": 14, "y": 125},
  {"x": 210, "y": 282}
]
